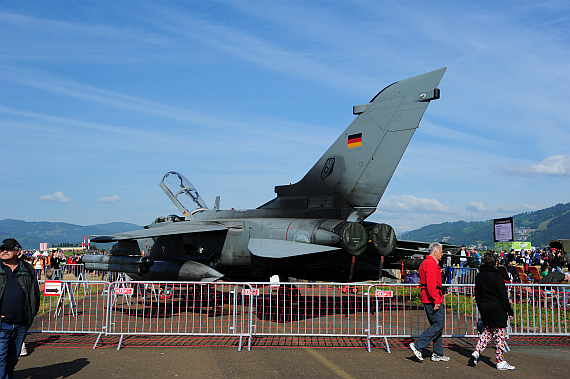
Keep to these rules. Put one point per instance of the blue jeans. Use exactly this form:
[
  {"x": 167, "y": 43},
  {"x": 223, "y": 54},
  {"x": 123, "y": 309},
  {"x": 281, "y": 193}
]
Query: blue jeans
[
  {"x": 434, "y": 332},
  {"x": 12, "y": 337}
]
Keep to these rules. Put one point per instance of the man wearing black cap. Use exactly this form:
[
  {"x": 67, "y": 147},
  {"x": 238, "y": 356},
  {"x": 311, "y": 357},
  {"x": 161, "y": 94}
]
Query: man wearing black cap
[{"x": 19, "y": 303}]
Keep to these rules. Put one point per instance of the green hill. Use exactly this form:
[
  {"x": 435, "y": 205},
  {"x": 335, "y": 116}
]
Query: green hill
[
  {"x": 31, "y": 234},
  {"x": 545, "y": 225}
]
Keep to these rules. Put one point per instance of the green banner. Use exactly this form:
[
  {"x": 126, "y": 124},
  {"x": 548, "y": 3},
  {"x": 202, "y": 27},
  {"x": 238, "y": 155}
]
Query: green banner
[{"x": 500, "y": 246}]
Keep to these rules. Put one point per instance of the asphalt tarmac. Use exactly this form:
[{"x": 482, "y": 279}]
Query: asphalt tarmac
[{"x": 273, "y": 362}]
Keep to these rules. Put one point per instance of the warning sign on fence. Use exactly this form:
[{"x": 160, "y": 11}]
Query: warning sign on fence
[
  {"x": 124, "y": 291},
  {"x": 52, "y": 288},
  {"x": 248, "y": 292},
  {"x": 384, "y": 294}
]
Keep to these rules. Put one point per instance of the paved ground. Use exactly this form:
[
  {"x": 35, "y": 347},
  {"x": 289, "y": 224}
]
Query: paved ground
[{"x": 224, "y": 362}]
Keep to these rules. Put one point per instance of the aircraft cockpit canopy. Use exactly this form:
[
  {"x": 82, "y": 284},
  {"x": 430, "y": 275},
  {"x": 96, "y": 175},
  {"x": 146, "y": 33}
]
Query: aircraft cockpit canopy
[{"x": 174, "y": 185}]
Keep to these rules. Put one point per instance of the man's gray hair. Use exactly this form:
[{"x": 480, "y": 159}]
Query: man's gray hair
[{"x": 433, "y": 246}]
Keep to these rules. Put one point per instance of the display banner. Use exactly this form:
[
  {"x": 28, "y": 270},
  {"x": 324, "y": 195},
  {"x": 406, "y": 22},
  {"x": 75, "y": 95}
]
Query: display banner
[
  {"x": 518, "y": 245},
  {"x": 504, "y": 230}
]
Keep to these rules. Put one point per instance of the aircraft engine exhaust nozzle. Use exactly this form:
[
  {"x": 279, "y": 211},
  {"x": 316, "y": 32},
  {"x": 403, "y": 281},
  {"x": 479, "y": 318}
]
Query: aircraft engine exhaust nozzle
[
  {"x": 382, "y": 239},
  {"x": 129, "y": 264},
  {"x": 354, "y": 238}
]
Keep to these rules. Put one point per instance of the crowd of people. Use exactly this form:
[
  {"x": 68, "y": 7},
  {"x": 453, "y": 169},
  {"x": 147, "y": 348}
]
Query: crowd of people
[
  {"x": 52, "y": 265},
  {"x": 548, "y": 259}
]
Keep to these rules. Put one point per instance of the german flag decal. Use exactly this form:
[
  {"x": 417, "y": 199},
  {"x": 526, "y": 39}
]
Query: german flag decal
[{"x": 355, "y": 140}]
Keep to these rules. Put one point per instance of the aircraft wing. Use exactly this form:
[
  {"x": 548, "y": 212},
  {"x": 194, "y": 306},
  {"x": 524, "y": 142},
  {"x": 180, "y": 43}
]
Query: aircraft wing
[
  {"x": 269, "y": 248},
  {"x": 183, "y": 227}
]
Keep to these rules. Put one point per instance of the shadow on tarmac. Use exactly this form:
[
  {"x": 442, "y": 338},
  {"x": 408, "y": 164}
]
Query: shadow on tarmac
[{"x": 55, "y": 371}]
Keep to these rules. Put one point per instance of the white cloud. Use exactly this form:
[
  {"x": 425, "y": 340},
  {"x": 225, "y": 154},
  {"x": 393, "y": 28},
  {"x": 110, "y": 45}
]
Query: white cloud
[
  {"x": 556, "y": 165},
  {"x": 477, "y": 207},
  {"x": 411, "y": 204},
  {"x": 56, "y": 197},
  {"x": 110, "y": 200}
]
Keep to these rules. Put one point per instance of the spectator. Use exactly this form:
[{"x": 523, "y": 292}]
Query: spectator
[
  {"x": 432, "y": 298},
  {"x": 69, "y": 264},
  {"x": 544, "y": 269},
  {"x": 536, "y": 257},
  {"x": 493, "y": 303},
  {"x": 527, "y": 261},
  {"x": 19, "y": 304},
  {"x": 38, "y": 265},
  {"x": 474, "y": 259},
  {"x": 557, "y": 261},
  {"x": 463, "y": 257}
]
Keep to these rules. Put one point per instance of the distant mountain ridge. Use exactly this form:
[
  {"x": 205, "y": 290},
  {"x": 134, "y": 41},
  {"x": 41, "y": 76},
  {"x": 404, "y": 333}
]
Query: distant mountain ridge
[
  {"x": 544, "y": 225},
  {"x": 31, "y": 234}
]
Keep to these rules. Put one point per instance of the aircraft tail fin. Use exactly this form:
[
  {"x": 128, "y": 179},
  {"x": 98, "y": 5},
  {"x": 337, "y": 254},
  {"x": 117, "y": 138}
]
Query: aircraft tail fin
[{"x": 356, "y": 169}]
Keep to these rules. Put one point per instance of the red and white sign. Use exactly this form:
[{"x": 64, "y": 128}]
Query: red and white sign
[
  {"x": 43, "y": 246},
  {"x": 124, "y": 291},
  {"x": 384, "y": 294},
  {"x": 52, "y": 288},
  {"x": 249, "y": 292}
]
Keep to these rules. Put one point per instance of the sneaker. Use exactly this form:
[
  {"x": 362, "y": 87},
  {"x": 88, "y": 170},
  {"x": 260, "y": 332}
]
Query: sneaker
[
  {"x": 439, "y": 358},
  {"x": 474, "y": 358},
  {"x": 416, "y": 352},
  {"x": 504, "y": 366},
  {"x": 24, "y": 351}
]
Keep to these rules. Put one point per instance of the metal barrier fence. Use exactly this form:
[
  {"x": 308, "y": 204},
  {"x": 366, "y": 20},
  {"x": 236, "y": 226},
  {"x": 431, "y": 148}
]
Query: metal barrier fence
[
  {"x": 179, "y": 308},
  {"x": 79, "y": 308},
  {"x": 458, "y": 275},
  {"x": 250, "y": 310}
]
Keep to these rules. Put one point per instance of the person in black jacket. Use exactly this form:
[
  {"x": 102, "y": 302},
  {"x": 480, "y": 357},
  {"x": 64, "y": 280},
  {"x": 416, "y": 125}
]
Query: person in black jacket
[
  {"x": 19, "y": 304},
  {"x": 494, "y": 306}
]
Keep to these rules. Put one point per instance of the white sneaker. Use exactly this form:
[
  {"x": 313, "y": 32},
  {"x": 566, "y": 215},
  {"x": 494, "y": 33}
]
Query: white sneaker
[
  {"x": 24, "y": 351},
  {"x": 439, "y": 358},
  {"x": 474, "y": 358},
  {"x": 504, "y": 366},
  {"x": 416, "y": 352}
]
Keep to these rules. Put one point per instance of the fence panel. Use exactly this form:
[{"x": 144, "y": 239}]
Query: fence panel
[
  {"x": 179, "y": 308},
  {"x": 311, "y": 309},
  {"x": 540, "y": 309},
  {"x": 80, "y": 308}
]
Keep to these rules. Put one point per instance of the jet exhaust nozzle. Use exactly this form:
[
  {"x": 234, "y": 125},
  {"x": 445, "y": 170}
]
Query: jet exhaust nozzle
[
  {"x": 354, "y": 238},
  {"x": 382, "y": 239}
]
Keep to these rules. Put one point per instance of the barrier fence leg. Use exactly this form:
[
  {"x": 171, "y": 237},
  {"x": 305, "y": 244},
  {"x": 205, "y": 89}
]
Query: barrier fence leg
[
  {"x": 97, "y": 341},
  {"x": 387, "y": 346},
  {"x": 120, "y": 342}
]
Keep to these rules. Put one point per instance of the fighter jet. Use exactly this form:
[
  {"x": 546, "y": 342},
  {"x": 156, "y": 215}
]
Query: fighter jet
[{"x": 314, "y": 229}]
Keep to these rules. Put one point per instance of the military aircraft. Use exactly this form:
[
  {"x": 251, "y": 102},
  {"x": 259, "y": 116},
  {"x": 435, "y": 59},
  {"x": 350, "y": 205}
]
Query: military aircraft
[{"x": 314, "y": 229}]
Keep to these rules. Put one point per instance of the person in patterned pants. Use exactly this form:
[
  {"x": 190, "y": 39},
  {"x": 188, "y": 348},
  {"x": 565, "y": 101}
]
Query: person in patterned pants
[{"x": 494, "y": 306}]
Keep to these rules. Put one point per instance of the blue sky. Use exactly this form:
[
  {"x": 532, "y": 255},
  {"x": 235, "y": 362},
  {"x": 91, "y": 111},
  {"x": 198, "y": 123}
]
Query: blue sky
[{"x": 99, "y": 99}]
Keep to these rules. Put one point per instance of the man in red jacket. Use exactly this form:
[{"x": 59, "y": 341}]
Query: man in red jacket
[{"x": 432, "y": 297}]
